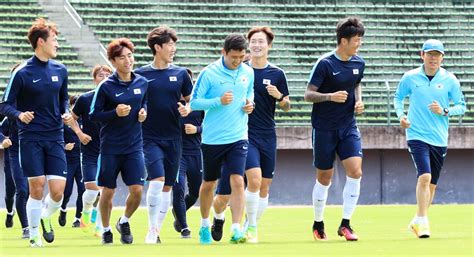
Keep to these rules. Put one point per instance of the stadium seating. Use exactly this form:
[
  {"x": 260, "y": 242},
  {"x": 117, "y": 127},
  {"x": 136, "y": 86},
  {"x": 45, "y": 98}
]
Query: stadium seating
[{"x": 394, "y": 34}]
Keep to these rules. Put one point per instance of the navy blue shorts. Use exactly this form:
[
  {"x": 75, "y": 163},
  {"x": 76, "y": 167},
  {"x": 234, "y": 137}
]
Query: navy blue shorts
[
  {"x": 131, "y": 166},
  {"x": 427, "y": 158},
  {"x": 162, "y": 159},
  {"x": 220, "y": 161},
  {"x": 89, "y": 167},
  {"x": 262, "y": 154},
  {"x": 39, "y": 158},
  {"x": 326, "y": 143}
]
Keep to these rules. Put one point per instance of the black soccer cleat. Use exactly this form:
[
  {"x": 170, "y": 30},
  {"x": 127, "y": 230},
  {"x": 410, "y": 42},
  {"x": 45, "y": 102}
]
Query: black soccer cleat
[
  {"x": 185, "y": 233},
  {"x": 48, "y": 232},
  {"x": 76, "y": 224},
  {"x": 125, "y": 233},
  {"x": 107, "y": 238},
  {"x": 216, "y": 229},
  {"x": 62, "y": 218},
  {"x": 9, "y": 220},
  {"x": 176, "y": 224}
]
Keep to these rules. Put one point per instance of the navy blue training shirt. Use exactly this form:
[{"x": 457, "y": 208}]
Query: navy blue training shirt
[
  {"x": 192, "y": 142},
  {"x": 119, "y": 135},
  {"x": 82, "y": 109},
  {"x": 40, "y": 87},
  {"x": 165, "y": 88},
  {"x": 10, "y": 130},
  {"x": 262, "y": 119},
  {"x": 329, "y": 75},
  {"x": 74, "y": 155}
]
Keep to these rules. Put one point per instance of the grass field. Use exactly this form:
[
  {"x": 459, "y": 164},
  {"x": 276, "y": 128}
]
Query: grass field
[{"x": 282, "y": 232}]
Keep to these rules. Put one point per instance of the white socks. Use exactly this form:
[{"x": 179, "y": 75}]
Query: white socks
[
  {"x": 164, "y": 206},
  {"x": 50, "y": 207},
  {"x": 219, "y": 216},
  {"x": 88, "y": 199},
  {"x": 350, "y": 196},
  {"x": 33, "y": 212},
  {"x": 205, "y": 222},
  {"x": 262, "y": 206},
  {"x": 320, "y": 196},
  {"x": 251, "y": 205},
  {"x": 153, "y": 202}
]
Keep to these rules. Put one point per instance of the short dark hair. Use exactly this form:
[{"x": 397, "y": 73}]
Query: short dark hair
[
  {"x": 235, "y": 42},
  {"x": 265, "y": 29},
  {"x": 160, "y": 35},
  {"x": 40, "y": 29},
  {"x": 349, "y": 27},
  {"x": 115, "y": 47}
]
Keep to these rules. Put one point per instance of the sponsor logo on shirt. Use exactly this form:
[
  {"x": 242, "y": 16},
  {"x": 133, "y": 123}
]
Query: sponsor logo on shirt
[
  {"x": 355, "y": 71},
  {"x": 54, "y": 78},
  {"x": 439, "y": 86},
  {"x": 244, "y": 79},
  {"x": 36, "y": 80},
  {"x": 267, "y": 81},
  {"x": 137, "y": 91},
  {"x": 173, "y": 78},
  {"x": 119, "y": 94},
  {"x": 149, "y": 80},
  {"x": 335, "y": 73}
]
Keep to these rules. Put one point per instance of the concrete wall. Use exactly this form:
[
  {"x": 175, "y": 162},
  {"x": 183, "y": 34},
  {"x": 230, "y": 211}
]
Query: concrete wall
[{"x": 389, "y": 176}]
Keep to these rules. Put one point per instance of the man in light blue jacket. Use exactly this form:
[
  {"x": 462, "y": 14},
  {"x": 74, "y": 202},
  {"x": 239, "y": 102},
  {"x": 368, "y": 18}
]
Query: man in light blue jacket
[
  {"x": 224, "y": 90},
  {"x": 430, "y": 89}
]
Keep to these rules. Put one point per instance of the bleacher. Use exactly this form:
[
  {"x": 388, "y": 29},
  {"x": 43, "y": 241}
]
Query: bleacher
[
  {"x": 15, "y": 20},
  {"x": 394, "y": 34}
]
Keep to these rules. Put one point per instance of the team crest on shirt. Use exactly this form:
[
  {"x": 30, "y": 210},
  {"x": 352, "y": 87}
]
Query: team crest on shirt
[
  {"x": 355, "y": 71},
  {"x": 244, "y": 79},
  {"x": 173, "y": 78},
  {"x": 137, "y": 91},
  {"x": 267, "y": 82},
  {"x": 54, "y": 78},
  {"x": 439, "y": 86}
]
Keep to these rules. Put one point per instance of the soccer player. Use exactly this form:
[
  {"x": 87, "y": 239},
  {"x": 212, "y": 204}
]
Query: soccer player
[
  {"x": 271, "y": 88},
  {"x": 162, "y": 144},
  {"x": 89, "y": 136},
  {"x": 430, "y": 89},
  {"x": 335, "y": 91},
  {"x": 190, "y": 170},
  {"x": 9, "y": 183},
  {"x": 74, "y": 173},
  {"x": 224, "y": 90},
  {"x": 36, "y": 97},
  {"x": 119, "y": 104}
]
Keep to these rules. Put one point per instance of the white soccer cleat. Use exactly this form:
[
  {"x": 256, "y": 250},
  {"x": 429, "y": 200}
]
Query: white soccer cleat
[{"x": 152, "y": 237}]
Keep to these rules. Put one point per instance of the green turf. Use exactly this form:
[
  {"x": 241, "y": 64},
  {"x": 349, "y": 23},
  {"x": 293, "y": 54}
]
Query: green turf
[{"x": 282, "y": 232}]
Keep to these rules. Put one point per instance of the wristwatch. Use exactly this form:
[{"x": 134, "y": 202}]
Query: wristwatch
[
  {"x": 281, "y": 98},
  {"x": 445, "y": 111}
]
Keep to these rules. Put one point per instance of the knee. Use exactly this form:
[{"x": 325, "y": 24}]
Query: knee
[
  {"x": 254, "y": 184},
  {"x": 236, "y": 182},
  {"x": 424, "y": 179},
  {"x": 207, "y": 186},
  {"x": 136, "y": 191},
  {"x": 56, "y": 196},
  {"x": 357, "y": 173}
]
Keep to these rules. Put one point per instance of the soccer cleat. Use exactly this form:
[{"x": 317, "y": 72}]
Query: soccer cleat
[
  {"x": 204, "y": 236},
  {"x": 318, "y": 232},
  {"x": 85, "y": 221},
  {"x": 152, "y": 237},
  {"x": 420, "y": 230},
  {"x": 107, "y": 238},
  {"x": 185, "y": 233},
  {"x": 36, "y": 242},
  {"x": 76, "y": 224},
  {"x": 125, "y": 233},
  {"x": 252, "y": 235},
  {"x": 98, "y": 232},
  {"x": 176, "y": 224},
  {"x": 25, "y": 234},
  {"x": 348, "y": 233},
  {"x": 237, "y": 237},
  {"x": 216, "y": 229},
  {"x": 62, "y": 218},
  {"x": 9, "y": 220},
  {"x": 48, "y": 232}
]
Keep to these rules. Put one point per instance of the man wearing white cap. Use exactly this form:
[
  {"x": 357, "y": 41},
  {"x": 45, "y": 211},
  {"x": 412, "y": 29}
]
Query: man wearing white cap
[{"x": 430, "y": 88}]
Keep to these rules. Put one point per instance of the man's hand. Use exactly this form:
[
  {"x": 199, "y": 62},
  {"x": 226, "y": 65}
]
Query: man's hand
[
  {"x": 273, "y": 91},
  {"x": 6, "y": 143},
  {"x": 227, "y": 98},
  {"x": 67, "y": 119},
  {"x": 359, "y": 107},
  {"x": 183, "y": 110},
  {"x": 123, "y": 110},
  {"x": 142, "y": 115},
  {"x": 190, "y": 129},
  {"x": 84, "y": 138},
  {"x": 435, "y": 108},
  {"x": 339, "y": 96},
  {"x": 248, "y": 107},
  {"x": 69, "y": 146},
  {"x": 26, "y": 117},
  {"x": 404, "y": 122}
]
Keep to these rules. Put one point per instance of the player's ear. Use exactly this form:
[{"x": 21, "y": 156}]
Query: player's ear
[{"x": 223, "y": 52}]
